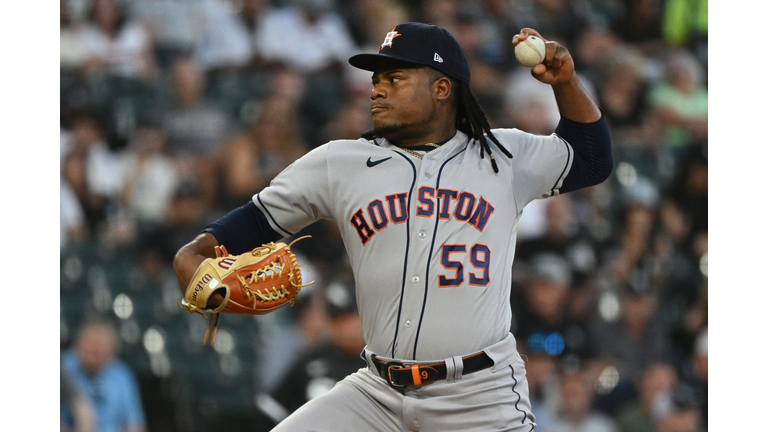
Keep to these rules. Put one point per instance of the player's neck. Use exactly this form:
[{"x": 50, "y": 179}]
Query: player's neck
[{"x": 433, "y": 138}]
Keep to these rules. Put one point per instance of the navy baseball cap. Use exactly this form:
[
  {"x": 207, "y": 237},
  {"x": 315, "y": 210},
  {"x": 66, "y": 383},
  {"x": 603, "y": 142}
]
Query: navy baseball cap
[{"x": 422, "y": 44}]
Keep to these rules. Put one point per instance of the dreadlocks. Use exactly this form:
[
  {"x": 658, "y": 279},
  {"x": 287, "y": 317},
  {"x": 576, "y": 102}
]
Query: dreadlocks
[{"x": 471, "y": 120}]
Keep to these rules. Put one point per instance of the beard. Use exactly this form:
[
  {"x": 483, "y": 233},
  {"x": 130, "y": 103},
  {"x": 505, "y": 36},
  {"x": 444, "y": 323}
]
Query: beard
[
  {"x": 394, "y": 132},
  {"x": 382, "y": 132}
]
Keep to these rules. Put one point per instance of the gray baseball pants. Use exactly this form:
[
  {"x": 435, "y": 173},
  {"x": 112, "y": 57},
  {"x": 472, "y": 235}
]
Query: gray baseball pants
[{"x": 493, "y": 399}]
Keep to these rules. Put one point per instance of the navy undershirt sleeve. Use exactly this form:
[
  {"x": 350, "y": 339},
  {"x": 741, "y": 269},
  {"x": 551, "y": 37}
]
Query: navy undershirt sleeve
[
  {"x": 243, "y": 229},
  {"x": 592, "y": 160}
]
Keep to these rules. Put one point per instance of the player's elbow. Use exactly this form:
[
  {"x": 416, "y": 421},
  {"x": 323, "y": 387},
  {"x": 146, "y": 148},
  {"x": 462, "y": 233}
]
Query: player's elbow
[
  {"x": 180, "y": 265},
  {"x": 605, "y": 171},
  {"x": 588, "y": 172},
  {"x": 180, "y": 258}
]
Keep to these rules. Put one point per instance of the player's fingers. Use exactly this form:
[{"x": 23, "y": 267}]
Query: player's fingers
[
  {"x": 539, "y": 69},
  {"x": 552, "y": 50},
  {"x": 530, "y": 32},
  {"x": 557, "y": 60},
  {"x": 523, "y": 35},
  {"x": 562, "y": 58}
]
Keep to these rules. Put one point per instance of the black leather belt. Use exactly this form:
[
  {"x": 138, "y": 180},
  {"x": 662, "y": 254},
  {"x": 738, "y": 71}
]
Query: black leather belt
[{"x": 398, "y": 375}]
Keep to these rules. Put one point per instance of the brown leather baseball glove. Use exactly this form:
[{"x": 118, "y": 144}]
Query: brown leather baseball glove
[{"x": 254, "y": 283}]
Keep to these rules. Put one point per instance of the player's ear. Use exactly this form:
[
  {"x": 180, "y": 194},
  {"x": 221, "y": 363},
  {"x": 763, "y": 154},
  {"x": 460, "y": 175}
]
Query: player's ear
[{"x": 442, "y": 88}]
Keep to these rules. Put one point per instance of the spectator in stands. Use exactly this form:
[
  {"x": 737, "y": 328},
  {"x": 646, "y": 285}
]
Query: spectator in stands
[
  {"x": 576, "y": 413},
  {"x": 104, "y": 166},
  {"x": 700, "y": 369},
  {"x": 639, "y": 23},
  {"x": 638, "y": 216},
  {"x": 92, "y": 171},
  {"x": 622, "y": 94},
  {"x": 116, "y": 45},
  {"x": 225, "y": 40},
  {"x": 561, "y": 234},
  {"x": 689, "y": 194},
  {"x": 595, "y": 45},
  {"x": 655, "y": 387},
  {"x": 174, "y": 25},
  {"x": 545, "y": 307},
  {"x": 543, "y": 376},
  {"x": 151, "y": 177},
  {"x": 351, "y": 118},
  {"x": 685, "y": 415},
  {"x": 546, "y": 280},
  {"x": 72, "y": 228},
  {"x": 71, "y": 51},
  {"x": 72, "y": 219},
  {"x": 251, "y": 159},
  {"x": 444, "y": 13},
  {"x": 368, "y": 21},
  {"x": 76, "y": 412},
  {"x": 528, "y": 106},
  {"x": 680, "y": 101},
  {"x": 287, "y": 32},
  {"x": 195, "y": 126},
  {"x": 639, "y": 338},
  {"x": 111, "y": 386}
]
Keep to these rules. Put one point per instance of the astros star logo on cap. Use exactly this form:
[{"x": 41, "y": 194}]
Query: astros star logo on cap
[{"x": 388, "y": 40}]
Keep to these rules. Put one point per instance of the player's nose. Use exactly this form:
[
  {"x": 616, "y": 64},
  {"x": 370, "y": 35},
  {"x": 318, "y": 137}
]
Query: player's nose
[{"x": 378, "y": 91}]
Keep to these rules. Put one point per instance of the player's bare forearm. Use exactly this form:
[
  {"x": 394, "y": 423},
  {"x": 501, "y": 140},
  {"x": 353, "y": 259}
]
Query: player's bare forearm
[
  {"x": 189, "y": 257},
  {"x": 574, "y": 103}
]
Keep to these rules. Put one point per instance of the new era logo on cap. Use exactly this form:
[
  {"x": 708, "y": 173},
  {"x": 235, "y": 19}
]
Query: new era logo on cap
[{"x": 419, "y": 44}]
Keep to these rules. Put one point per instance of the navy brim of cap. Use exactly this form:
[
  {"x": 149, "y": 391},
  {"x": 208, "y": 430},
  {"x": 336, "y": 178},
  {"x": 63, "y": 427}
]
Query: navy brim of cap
[{"x": 370, "y": 61}]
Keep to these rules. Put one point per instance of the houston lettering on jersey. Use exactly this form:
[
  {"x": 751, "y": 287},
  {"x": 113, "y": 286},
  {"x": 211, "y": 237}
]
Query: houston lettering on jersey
[{"x": 464, "y": 207}]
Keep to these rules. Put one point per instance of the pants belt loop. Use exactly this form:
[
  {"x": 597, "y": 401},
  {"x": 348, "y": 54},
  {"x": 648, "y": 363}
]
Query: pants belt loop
[
  {"x": 456, "y": 370},
  {"x": 368, "y": 356},
  {"x": 450, "y": 370}
]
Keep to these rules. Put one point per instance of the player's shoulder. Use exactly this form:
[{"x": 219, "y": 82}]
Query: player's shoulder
[
  {"x": 351, "y": 142},
  {"x": 516, "y": 138},
  {"x": 510, "y": 133},
  {"x": 337, "y": 151},
  {"x": 350, "y": 146}
]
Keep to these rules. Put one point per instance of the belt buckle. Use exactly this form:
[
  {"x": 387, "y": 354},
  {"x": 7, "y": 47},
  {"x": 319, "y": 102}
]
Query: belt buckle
[{"x": 389, "y": 373}]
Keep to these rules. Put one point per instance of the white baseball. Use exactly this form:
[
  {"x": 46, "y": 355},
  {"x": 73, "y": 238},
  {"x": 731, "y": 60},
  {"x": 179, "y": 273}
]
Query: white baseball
[{"x": 531, "y": 51}]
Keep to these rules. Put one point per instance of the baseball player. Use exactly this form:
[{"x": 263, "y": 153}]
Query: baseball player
[{"x": 427, "y": 210}]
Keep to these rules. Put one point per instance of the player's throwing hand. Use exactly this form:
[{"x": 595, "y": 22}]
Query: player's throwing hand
[{"x": 557, "y": 66}]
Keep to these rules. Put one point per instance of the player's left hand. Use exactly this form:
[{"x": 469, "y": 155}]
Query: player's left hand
[{"x": 557, "y": 67}]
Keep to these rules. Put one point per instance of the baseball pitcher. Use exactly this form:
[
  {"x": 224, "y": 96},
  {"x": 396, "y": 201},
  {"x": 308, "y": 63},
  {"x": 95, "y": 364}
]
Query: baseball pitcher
[{"x": 427, "y": 204}]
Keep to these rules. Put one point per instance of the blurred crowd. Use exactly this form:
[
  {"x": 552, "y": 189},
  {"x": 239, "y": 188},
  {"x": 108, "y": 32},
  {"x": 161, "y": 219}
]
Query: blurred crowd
[{"x": 173, "y": 112}]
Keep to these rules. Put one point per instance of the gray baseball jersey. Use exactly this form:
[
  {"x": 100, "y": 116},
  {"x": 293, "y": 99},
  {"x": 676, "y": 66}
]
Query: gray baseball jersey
[{"x": 431, "y": 241}]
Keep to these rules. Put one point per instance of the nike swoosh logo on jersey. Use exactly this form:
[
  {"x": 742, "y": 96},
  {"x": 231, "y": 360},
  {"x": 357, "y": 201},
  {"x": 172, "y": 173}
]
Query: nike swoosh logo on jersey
[{"x": 371, "y": 163}]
